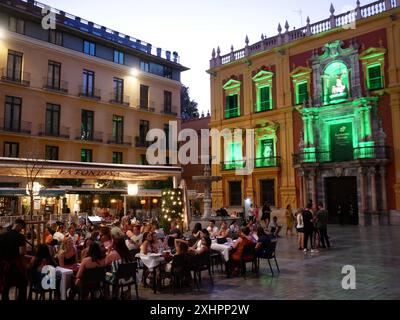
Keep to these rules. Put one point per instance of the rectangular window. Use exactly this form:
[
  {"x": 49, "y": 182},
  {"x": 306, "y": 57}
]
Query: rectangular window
[
  {"x": 144, "y": 96},
  {"x": 117, "y": 157},
  {"x": 89, "y": 48},
  {"x": 143, "y": 130},
  {"x": 264, "y": 102},
  {"x": 51, "y": 153},
  {"x": 119, "y": 57},
  {"x": 301, "y": 92},
  {"x": 168, "y": 72},
  {"x": 118, "y": 94},
  {"x": 53, "y": 119},
  {"x": 167, "y": 102},
  {"x": 14, "y": 65},
  {"x": 233, "y": 156},
  {"x": 11, "y": 150},
  {"x": 235, "y": 193},
  {"x": 16, "y": 25},
  {"x": 144, "y": 66},
  {"x": 88, "y": 83},
  {"x": 54, "y": 75},
  {"x": 232, "y": 106},
  {"x": 55, "y": 37},
  {"x": 375, "y": 79},
  {"x": 118, "y": 129},
  {"x": 12, "y": 114},
  {"x": 87, "y": 125},
  {"x": 86, "y": 155}
]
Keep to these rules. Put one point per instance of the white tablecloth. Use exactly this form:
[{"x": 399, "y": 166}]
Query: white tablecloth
[
  {"x": 223, "y": 249},
  {"x": 151, "y": 260},
  {"x": 67, "y": 276}
]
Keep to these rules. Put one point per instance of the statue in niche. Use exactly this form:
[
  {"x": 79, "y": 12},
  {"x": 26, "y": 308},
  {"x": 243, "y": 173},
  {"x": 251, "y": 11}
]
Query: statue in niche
[{"x": 340, "y": 88}]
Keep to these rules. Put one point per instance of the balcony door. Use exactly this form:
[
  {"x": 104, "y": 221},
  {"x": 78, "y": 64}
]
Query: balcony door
[
  {"x": 12, "y": 114},
  {"x": 52, "y": 120},
  {"x": 54, "y": 75},
  {"x": 14, "y": 65},
  {"x": 87, "y": 125}
]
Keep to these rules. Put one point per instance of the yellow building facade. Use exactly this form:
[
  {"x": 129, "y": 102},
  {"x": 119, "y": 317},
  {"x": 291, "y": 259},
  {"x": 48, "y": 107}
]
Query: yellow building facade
[
  {"x": 79, "y": 91},
  {"x": 277, "y": 87}
]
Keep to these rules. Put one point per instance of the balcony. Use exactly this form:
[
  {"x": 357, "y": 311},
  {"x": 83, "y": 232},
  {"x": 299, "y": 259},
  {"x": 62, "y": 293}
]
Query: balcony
[
  {"x": 119, "y": 139},
  {"x": 170, "y": 110},
  {"x": 12, "y": 76},
  {"x": 146, "y": 105},
  {"x": 140, "y": 142},
  {"x": 233, "y": 165},
  {"x": 119, "y": 99},
  {"x": 90, "y": 136},
  {"x": 232, "y": 113},
  {"x": 370, "y": 152},
  {"x": 272, "y": 162},
  {"x": 62, "y": 133},
  {"x": 89, "y": 93},
  {"x": 57, "y": 86},
  {"x": 262, "y": 106},
  {"x": 23, "y": 127}
]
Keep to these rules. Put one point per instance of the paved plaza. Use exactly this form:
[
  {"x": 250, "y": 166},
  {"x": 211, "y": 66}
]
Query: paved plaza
[{"x": 373, "y": 251}]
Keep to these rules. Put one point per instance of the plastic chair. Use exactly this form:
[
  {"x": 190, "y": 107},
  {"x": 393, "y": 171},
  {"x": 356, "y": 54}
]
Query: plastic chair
[
  {"x": 268, "y": 253},
  {"x": 125, "y": 277}
]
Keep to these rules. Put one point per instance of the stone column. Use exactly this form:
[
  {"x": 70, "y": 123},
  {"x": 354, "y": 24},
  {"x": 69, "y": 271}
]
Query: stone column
[
  {"x": 372, "y": 175},
  {"x": 363, "y": 206},
  {"x": 384, "y": 195},
  {"x": 301, "y": 175}
]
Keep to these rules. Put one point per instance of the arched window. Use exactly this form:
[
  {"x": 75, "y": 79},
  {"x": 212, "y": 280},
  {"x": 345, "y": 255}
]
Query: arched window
[{"x": 336, "y": 83}]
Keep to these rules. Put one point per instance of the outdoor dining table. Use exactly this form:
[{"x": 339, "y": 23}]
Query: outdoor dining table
[
  {"x": 223, "y": 249},
  {"x": 152, "y": 261}
]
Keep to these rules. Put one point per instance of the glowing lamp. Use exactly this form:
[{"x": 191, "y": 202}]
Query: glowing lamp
[{"x": 133, "y": 189}]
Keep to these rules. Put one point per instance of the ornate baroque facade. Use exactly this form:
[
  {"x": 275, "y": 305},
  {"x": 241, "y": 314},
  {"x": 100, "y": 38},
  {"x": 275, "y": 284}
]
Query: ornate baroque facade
[{"x": 324, "y": 103}]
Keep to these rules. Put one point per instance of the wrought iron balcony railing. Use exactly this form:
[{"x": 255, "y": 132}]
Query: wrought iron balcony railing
[
  {"x": 91, "y": 93},
  {"x": 15, "y": 76},
  {"x": 23, "y": 127},
  {"x": 140, "y": 142},
  {"x": 53, "y": 85},
  {"x": 119, "y": 139},
  {"x": 271, "y": 162},
  {"x": 88, "y": 135},
  {"x": 119, "y": 99},
  {"x": 170, "y": 110},
  {"x": 232, "y": 113},
  {"x": 61, "y": 132},
  {"x": 146, "y": 105}
]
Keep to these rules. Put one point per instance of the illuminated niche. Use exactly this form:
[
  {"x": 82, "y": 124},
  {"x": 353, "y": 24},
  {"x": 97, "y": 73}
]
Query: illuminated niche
[
  {"x": 336, "y": 83},
  {"x": 233, "y": 155},
  {"x": 266, "y": 151}
]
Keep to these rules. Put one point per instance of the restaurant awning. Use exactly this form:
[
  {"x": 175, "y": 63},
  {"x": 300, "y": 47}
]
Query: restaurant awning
[
  {"x": 14, "y": 167},
  {"x": 15, "y": 192}
]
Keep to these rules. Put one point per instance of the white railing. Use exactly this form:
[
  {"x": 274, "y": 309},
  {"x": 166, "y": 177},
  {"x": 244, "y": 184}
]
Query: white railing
[{"x": 334, "y": 21}]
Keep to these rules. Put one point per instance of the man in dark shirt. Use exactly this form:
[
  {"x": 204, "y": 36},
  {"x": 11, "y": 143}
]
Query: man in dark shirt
[
  {"x": 174, "y": 233},
  {"x": 12, "y": 268},
  {"x": 322, "y": 224},
  {"x": 308, "y": 226}
]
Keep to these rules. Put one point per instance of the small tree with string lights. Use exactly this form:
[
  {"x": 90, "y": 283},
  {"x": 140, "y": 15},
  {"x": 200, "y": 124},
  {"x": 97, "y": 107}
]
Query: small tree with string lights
[{"x": 171, "y": 207}]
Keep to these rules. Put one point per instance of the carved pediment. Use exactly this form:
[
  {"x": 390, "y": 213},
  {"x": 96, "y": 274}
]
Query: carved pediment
[
  {"x": 231, "y": 84},
  {"x": 335, "y": 49},
  {"x": 262, "y": 75},
  {"x": 372, "y": 53},
  {"x": 300, "y": 71}
]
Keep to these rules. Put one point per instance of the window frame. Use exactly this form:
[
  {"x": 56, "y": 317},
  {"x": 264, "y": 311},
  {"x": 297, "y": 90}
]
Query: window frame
[{"x": 10, "y": 143}]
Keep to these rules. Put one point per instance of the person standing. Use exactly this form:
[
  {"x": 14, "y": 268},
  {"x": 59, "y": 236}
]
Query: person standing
[
  {"x": 308, "y": 226},
  {"x": 289, "y": 220},
  {"x": 12, "y": 261},
  {"x": 300, "y": 229},
  {"x": 322, "y": 224}
]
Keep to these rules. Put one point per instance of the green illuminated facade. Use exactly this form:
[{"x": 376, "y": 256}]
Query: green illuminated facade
[{"x": 342, "y": 138}]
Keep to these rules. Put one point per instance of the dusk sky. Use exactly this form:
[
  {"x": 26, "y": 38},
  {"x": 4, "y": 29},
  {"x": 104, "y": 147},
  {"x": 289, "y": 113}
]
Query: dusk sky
[{"x": 194, "y": 28}]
